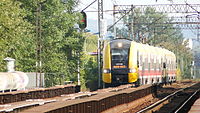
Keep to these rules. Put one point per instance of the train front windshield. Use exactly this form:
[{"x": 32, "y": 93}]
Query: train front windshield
[{"x": 119, "y": 53}]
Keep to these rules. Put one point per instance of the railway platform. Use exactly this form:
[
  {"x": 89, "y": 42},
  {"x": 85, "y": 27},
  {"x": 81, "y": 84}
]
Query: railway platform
[{"x": 195, "y": 108}]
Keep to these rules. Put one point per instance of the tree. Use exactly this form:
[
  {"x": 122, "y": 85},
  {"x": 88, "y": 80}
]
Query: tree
[
  {"x": 89, "y": 63},
  {"x": 61, "y": 44},
  {"x": 15, "y": 36}
]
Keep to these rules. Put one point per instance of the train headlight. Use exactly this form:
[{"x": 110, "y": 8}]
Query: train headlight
[
  {"x": 119, "y": 45},
  {"x": 106, "y": 70},
  {"x": 132, "y": 70}
]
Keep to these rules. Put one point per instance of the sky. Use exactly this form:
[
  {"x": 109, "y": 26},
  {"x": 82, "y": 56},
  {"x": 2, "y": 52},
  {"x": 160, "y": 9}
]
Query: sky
[
  {"x": 108, "y": 5},
  {"x": 92, "y": 14}
]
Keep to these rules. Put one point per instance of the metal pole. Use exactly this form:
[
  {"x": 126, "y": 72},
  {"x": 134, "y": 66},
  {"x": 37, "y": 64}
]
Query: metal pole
[
  {"x": 154, "y": 36},
  {"x": 40, "y": 46},
  {"x": 114, "y": 21},
  {"x": 192, "y": 76},
  {"x": 100, "y": 17},
  {"x": 99, "y": 64},
  {"x": 79, "y": 82},
  {"x": 198, "y": 29},
  {"x": 37, "y": 42},
  {"x": 131, "y": 37}
]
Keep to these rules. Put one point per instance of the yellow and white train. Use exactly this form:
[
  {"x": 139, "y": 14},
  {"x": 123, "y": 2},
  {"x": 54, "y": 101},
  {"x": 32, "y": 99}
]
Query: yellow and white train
[{"x": 126, "y": 61}]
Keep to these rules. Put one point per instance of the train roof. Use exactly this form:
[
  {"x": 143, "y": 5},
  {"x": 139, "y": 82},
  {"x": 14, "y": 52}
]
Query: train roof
[
  {"x": 155, "y": 49},
  {"x": 145, "y": 48},
  {"x": 122, "y": 39}
]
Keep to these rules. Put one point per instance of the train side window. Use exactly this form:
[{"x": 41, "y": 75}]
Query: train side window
[
  {"x": 159, "y": 67},
  {"x": 151, "y": 62},
  {"x": 149, "y": 66},
  {"x": 174, "y": 65},
  {"x": 146, "y": 63},
  {"x": 156, "y": 65},
  {"x": 141, "y": 60},
  {"x": 170, "y": 65}
]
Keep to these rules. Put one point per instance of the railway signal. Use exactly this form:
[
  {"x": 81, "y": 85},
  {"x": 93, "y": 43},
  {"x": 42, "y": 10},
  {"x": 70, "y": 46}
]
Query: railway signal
[{"x": 83, "y": 21}]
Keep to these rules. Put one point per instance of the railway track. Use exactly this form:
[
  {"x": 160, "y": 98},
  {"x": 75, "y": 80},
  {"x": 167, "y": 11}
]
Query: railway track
[
  {"x": 177, "y": 102},
  {"x": 110, "y": 100}
]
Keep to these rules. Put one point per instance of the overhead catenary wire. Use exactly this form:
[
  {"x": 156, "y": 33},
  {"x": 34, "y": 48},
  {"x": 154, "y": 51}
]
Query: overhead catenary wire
[
  {"x": 92, "y": 7},
  {"x": 89, "y": 5},
  {"x": 95, "y": 9},
  {"x": 120, "y": 19},
  {"x": 192, "y": 7}
]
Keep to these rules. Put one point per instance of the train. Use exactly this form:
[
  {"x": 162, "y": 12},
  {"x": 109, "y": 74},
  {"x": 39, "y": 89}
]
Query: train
[{"x": 126, "y": 61}]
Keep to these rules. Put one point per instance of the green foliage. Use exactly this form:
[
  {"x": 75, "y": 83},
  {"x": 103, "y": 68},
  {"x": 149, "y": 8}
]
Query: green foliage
[
  {"x": 15, "y": 36},
  {"x": 91, "y": 42},
  {"x": 90, "y": 75},
  {"x": 62, "y": 46},
  {"x": 89, "y": 67},
  {"x": 61, "y": 43}
]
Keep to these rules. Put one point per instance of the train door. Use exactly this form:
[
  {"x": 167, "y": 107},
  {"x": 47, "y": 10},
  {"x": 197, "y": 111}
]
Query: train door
[
  {"x": 164, "y": 72},
  {"x": 141, "y": 69},
  {"x": 138, "y": 82}
]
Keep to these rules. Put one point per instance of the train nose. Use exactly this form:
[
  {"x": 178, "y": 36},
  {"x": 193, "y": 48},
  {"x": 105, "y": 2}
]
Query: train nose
[{"x": 120, "y": 80}]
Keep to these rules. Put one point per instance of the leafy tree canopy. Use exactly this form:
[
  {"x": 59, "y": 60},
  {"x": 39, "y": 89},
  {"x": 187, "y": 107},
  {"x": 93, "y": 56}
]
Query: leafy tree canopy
[{"x": 15, "y": 35}]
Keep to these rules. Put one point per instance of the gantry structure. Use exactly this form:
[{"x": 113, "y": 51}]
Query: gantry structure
[
  {"x": 180, "y": 16},
  {"x": 184, "y": 16}
]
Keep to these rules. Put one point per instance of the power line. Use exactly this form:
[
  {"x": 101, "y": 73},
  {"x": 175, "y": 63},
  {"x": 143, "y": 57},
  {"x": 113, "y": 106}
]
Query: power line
[
  {"x": 96, "y": 10},
  {"x": 89, "y": 5},
  {"x": 119, "y": 19}
]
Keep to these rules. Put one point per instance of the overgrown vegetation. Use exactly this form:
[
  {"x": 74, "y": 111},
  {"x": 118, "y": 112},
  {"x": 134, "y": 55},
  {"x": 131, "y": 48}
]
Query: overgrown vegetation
[{"x": 89, "y": 63}]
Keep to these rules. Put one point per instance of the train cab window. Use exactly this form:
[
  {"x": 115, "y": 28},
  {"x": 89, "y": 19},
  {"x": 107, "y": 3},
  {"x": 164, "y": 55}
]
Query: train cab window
[
  {"x": 120, "y": 54},
  {"x": 119, "y": 57},
  {"x": 120, "y": 49}
]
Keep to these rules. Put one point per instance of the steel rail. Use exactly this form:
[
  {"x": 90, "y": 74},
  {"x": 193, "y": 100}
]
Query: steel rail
[
  {"x": 160, "y": 102},
  {"x": 187, "y": 101}
]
